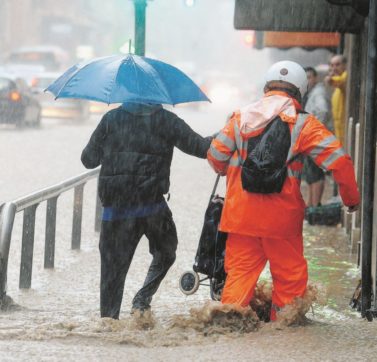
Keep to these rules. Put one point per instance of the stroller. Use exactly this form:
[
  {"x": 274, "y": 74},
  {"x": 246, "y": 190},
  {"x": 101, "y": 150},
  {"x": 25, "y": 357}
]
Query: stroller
[{"x": 209, "y": 259}]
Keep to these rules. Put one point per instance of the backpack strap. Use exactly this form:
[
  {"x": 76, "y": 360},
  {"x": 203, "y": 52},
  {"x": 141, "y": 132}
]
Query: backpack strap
[
  {"x": 297, "y": 128},
  {"x": 238, "y": 140}
]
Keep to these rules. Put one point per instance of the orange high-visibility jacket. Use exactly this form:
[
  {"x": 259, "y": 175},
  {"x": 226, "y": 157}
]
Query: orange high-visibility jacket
[{"x": 279, "y": 214}]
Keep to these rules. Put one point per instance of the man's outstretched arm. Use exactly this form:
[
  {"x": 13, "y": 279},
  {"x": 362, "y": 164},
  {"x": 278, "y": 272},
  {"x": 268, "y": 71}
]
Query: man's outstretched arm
[{"x": 187, "y": 140}]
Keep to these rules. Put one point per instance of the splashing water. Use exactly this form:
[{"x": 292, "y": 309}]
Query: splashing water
[
  {"x": 217, "y": 318},
  {"x": 7, "y": 304},
  {"x": 143, "y": 320},
  {"x": 262, "y": 301},
  {"x": 295, "y": 313}
]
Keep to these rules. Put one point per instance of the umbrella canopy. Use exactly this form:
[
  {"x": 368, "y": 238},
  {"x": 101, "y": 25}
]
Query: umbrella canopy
[{"x": 130, "y": 78}]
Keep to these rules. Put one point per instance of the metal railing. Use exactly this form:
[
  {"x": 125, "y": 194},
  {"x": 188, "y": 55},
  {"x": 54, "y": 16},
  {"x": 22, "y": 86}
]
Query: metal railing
[{"x": 29, "y": 204}]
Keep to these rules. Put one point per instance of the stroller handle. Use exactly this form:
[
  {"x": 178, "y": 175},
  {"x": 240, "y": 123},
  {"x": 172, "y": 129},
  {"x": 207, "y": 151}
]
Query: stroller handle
[{"x": 215, "y": 187}]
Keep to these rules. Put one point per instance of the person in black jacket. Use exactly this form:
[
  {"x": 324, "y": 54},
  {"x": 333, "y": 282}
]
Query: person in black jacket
[{"x": 134, "y": 145}]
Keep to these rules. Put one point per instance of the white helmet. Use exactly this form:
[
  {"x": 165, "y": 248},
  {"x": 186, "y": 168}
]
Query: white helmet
[{"x": 289, "y": 72}]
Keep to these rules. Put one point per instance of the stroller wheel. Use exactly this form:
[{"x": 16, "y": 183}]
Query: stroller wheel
[
  {"x": 189, "y": 282},
  {"x": 216, "y": 289}
]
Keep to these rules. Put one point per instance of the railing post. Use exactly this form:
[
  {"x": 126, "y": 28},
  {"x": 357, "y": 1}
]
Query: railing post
[
  {"x": 347, "y": 218},
  {"x": 50, "y": 232},
  {"x": 27, "y": 246},
  {"x": 7, "y": 215},
  {"x": 77, "y": 216},
  {"x": 98, "y": 215},
  {"x": 350, "y": 128},
  {"x": 355, "y": 231}
]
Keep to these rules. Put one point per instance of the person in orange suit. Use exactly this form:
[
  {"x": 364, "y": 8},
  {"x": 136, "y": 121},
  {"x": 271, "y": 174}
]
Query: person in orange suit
[{"x": 268, "y": 227}]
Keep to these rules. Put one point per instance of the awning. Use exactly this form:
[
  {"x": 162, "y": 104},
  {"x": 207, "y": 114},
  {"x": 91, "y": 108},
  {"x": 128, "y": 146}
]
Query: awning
[
  {"x": 296, "y": 15},
  {"x": 278, "y": 39}
]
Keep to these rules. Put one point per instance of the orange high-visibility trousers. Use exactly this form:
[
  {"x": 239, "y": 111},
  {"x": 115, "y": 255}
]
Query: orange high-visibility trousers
[{"x": 245, "y": 259}]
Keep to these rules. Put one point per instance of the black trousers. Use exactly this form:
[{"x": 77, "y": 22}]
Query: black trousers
[{"x": 118, "y": 242}]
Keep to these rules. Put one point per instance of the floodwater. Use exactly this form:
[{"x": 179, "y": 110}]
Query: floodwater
[{"x": 58, "y": 318}]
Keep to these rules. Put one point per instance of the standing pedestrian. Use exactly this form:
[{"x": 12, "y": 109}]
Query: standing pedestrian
[
  {"x": 316, "y": 102},
  {"x": 134, "y": 146},
  {"x": 266, "y": 225},
  {"x": 338, "y": 80}
]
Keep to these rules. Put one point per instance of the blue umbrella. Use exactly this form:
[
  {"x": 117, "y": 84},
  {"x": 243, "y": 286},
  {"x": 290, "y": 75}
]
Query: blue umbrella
[{"x": 130, "y": 78}]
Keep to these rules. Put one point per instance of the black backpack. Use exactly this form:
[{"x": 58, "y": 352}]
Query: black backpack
[{"x": 265, "y": 168}]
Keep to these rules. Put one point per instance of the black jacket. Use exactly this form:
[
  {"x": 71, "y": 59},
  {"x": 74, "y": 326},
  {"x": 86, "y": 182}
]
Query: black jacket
[{"x": 134, "y": 144}]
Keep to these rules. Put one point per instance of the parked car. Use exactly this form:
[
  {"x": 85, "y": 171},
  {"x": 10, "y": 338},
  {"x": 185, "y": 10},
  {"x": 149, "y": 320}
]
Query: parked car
[
  {"x": 75, "y": 109},
  {"x": 26, "y": 72},
  {"x": 52, "y": 58},
  {"x": 18, "y": 106}
]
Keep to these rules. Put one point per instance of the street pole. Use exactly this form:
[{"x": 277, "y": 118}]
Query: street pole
[
  {"x": 140, "y": 14},
  {"x": 370, "y": 129}
]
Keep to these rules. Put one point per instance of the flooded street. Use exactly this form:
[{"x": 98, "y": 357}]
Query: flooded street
[
  {"x": 58, "y": 318},
  {"x": 134, "y": 51}
]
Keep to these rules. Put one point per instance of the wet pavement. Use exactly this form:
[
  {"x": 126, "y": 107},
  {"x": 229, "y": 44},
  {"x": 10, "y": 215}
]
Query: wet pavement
[{"x": 58, "y": 318}]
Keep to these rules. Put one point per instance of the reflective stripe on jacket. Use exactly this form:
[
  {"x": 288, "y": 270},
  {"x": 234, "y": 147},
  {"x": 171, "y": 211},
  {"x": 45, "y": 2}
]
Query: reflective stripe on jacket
[{"x": 279, "y": 214}]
